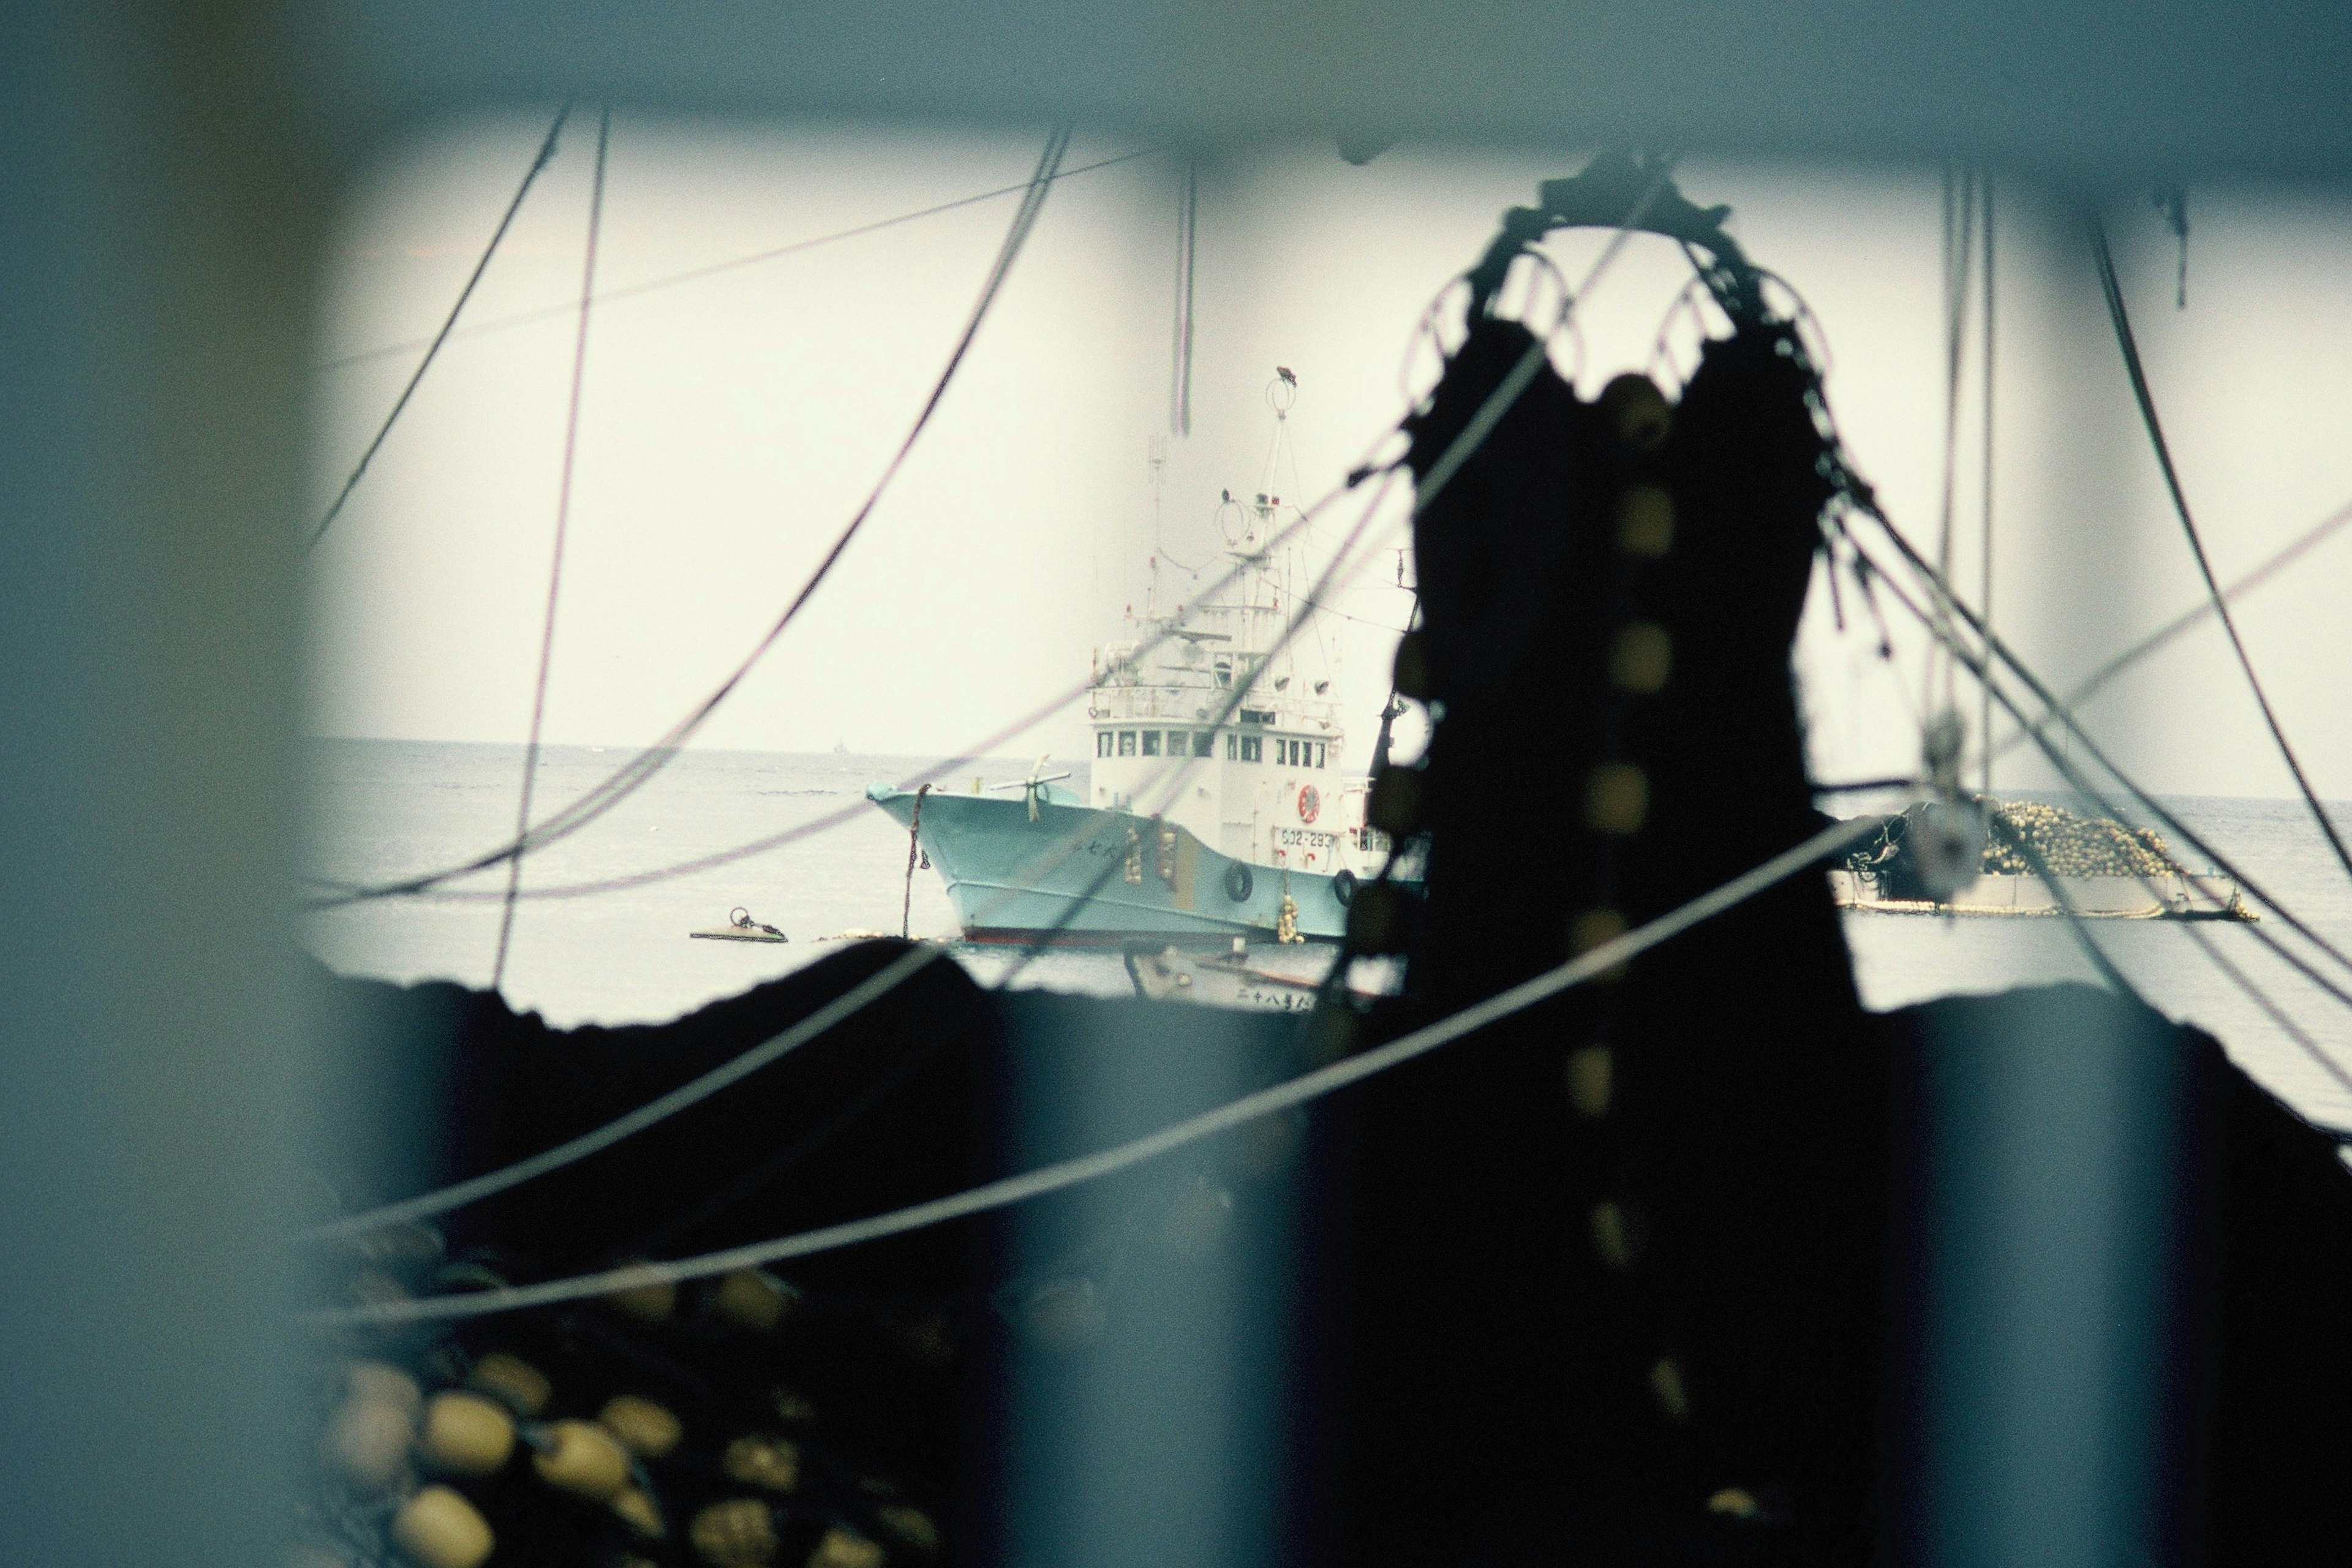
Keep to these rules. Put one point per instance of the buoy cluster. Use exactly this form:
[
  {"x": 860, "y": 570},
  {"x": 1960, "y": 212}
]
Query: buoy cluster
[
  {"x": 647, "y": 1429},
  {"x": 2070, "y": 845}
]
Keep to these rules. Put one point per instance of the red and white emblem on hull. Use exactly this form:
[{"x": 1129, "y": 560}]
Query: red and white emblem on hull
[{"x": 1310, "y": 803}]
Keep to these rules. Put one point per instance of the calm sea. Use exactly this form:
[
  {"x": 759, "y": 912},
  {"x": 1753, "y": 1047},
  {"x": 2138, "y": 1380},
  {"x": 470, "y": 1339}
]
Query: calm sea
[{"x": 383, "y": 809}]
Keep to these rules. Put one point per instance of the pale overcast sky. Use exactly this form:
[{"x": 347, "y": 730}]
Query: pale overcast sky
[{"x": 730, "y": 425}]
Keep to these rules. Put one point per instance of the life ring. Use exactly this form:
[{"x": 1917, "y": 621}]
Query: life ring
[
  {"x": 1239, "y": 883},
  {"x": 1343, "y": 887},
  {"x": 1310, "y": 803}
]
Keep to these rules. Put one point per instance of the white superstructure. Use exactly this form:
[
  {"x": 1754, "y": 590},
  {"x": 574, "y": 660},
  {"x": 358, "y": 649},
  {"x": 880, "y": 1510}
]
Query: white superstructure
[{"x": 1266, "y": 778}]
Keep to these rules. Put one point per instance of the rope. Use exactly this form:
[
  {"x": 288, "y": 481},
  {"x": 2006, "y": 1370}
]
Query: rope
[
  {"x": 2059, "y": 760},
  {"x": 633, "y": 773},
  {"x": 562, "y": 525},
  {"x": 1979, "y": 667},
  {"x": 343, "y": 895},
  {"x": 432, "y": 345},
  {"x": 602, "y": 1137},
  {"x": 1464, "y": 445},
  {"x": 851, "y": 1001},
  {"x": 2130, "y": 347},
  {"x": 1984, "y": 575},
  {"x": 1959, "y": 224},
  {"x": 696, "y": 274},
  {"x": 1188, "y": 213},
  {"x": 889, "y": 978},
  {"x": 1859, "y": 498},
  {"x": 2098, "y": 679},
  {"x": 1011, "y": 1190}
]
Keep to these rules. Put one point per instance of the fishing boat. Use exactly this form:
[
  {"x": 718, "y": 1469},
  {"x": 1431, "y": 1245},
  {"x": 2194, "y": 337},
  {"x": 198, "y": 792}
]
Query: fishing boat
[{"x": 1220, "y": 802}]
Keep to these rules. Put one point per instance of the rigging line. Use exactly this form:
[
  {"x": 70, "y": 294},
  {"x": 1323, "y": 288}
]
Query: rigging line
[
  {"x": 1365, "y": 621},
  {"x": 1465, "y": 443},
  {"x": 2058, "y": 758},
  {"x": 2149, "y": 803},
  {"x": 1959, "y": 211},
  {"x": 562, "y": 525},
  {"x": 1979, "y": 663},
  {"x": 2098, "y": 679},
  {"x": 2075, "y": 927},
  {"x": 432, "y": 345},
  {"x": 634, "y": 773},
  {"x": 1859, "y": 498},
  {"x": 1187, "y": 217},
  {"x": 2132, "y": 368},
  {"x": 1020, "y": 1188},
  {"x": 979, "y": 752},
  {"x": 2287, "y": 1026},
  {"x": 654, "y": 758},
  {"x": 572, "y": 1150},
  {"x": 1979, "y": 667},
  {"x": 691, "y": 275},
  {"x": 1984, "y": 578}
]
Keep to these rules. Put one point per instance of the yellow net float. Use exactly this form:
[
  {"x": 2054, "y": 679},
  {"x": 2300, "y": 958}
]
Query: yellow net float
[
  {"x": 738, "y": 1533},
  {"x": 466, "y": 1434},
  {"x": 438, "y": 1528},
  {"x": 647, "y": 1430}
]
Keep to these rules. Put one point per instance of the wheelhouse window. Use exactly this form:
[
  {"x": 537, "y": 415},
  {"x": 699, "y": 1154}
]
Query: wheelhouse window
[
  {"x": 1204, "y": 742},
  {"x": 1231, "y": 743},
  {"x": 1126, "y": 742},
  {"x": 1179, "y": 742},
  {"x": 1318, "y": 754},
  {"x": 1252, "y": 748},
  {"x": 1102, "y": 743},
  {"x": 1151, "y": 743}
]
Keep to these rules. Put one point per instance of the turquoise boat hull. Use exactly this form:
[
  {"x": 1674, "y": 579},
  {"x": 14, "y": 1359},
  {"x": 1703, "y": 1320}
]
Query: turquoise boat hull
[{"x": 1103, "y": 877}]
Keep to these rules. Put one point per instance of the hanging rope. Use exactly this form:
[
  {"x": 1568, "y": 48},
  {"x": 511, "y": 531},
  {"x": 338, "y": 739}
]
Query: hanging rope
[
  {"x": 433, "y": 346},
  {"x": 871, "y": 990},
  {"x": 1959, "y": 210},
  {"x": 596, "y": 1139},
  {"x": 639, "y": 769},
  {"x": 712, "y": 270},
  {"x": 2130, "y": 347},
  {"x": 2057, "y": 754},
  {"x": 1180, "y": 391},
  {"x": 563, "y": 525},
  {"x": 1980, "y": 666},
  {"x": 1464, "y": 445},
  {"x": 340, "y": 896},
  {"x": 1984, "y": 578},
  {"x": 1011, "y": 1190},
  {"x": 2092, "y": 684},
  {"x": 1860, "y": 499}
]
